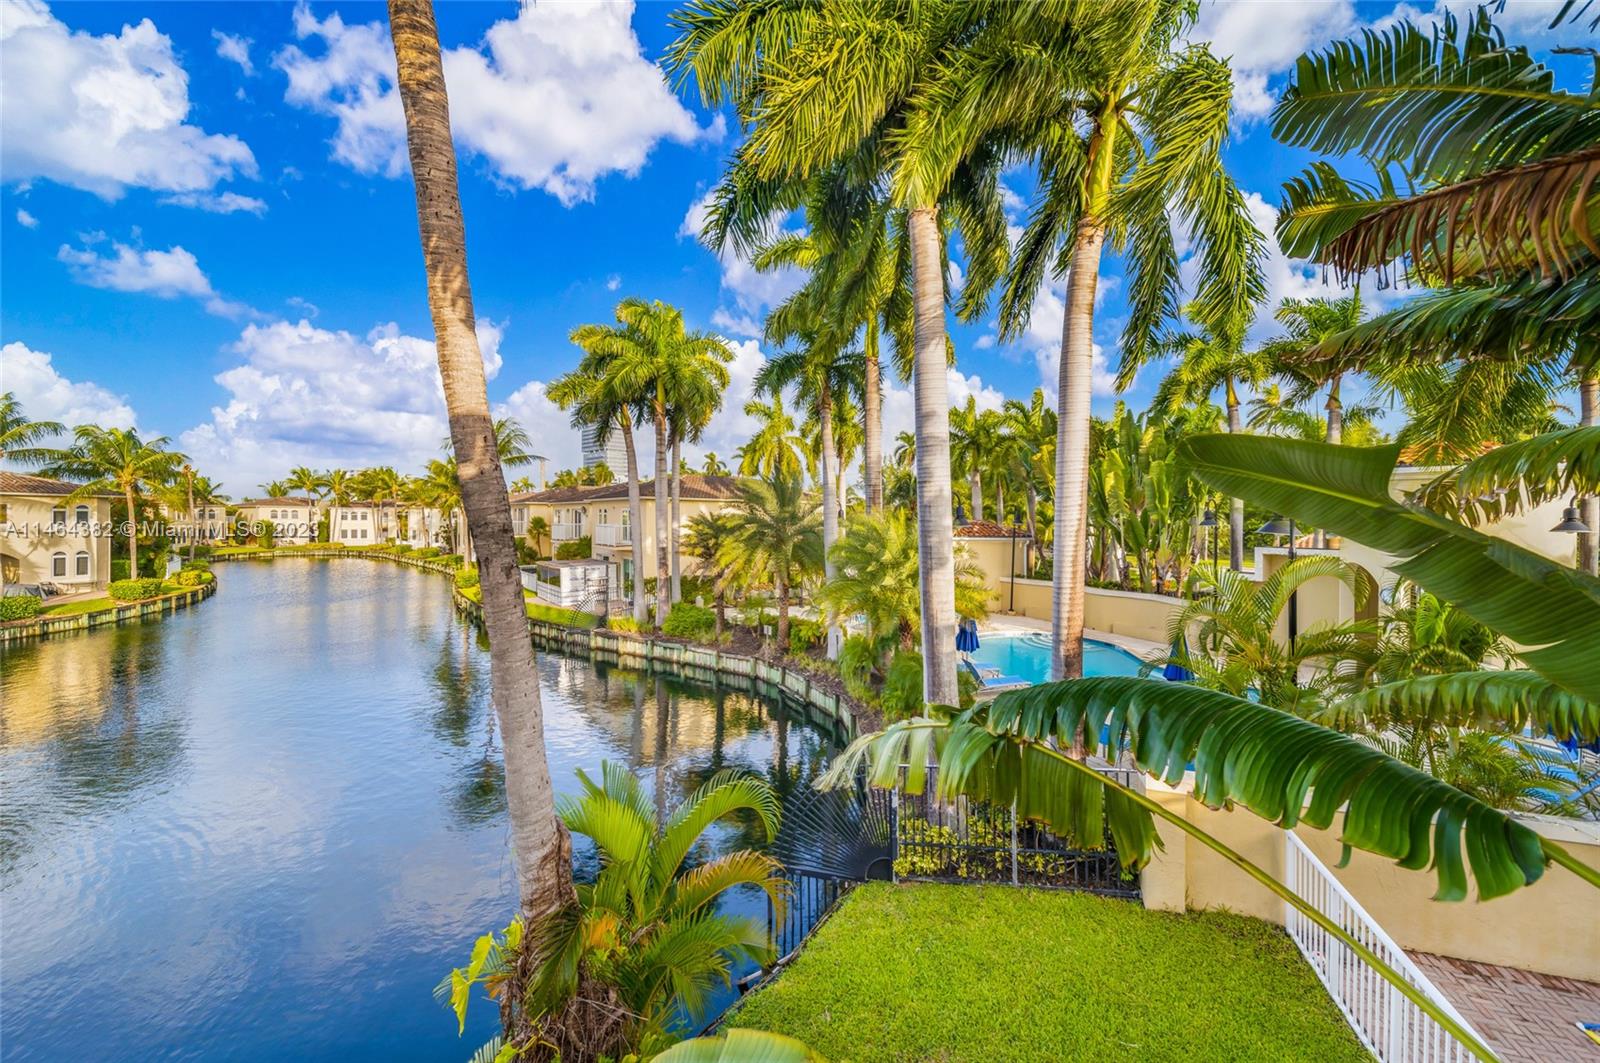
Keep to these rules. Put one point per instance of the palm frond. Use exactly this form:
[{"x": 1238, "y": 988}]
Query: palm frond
[
  {"x": 740, "y": 1046},
  {"x": 723, "y": 794},
  {"x": 1517, "y": 475}
]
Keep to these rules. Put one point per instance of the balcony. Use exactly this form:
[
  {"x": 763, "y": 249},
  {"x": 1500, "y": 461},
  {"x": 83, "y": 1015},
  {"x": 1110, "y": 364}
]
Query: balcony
[
  {"x": 563, "y": 533},
  {"x": 613, "y": 535}
]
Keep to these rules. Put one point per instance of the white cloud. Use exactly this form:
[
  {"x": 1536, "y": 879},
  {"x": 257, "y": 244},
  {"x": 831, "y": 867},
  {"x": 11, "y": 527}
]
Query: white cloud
[
  {"x": 303, "y": 395},
  {"x": 1042, "y": 339},
  {"x": 235, "y": 50},
  {"x": 164, "y": 274},
  {"x": 26, "y": 220},
  {"x": 753, "y": 291},
  {"x": 217, "y": 203},
  {"x": 562, "y": 97},
  {"x": 613, "y": 282},
  {"x": 548, "y": 425},
  {"x": 1262, "y": 40},
  {"x": 46, "y": 395},
  {"x": 103, "y": 113}
]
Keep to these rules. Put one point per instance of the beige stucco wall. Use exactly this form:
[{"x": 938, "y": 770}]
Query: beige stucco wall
[
  {"x": 996, "y": 559},
  {"x": 293, "y": 524},
  {"x": 31, "y": 538},
  {"x": 1552, "y": 926},
  {"x": 1130, "y": 613}
]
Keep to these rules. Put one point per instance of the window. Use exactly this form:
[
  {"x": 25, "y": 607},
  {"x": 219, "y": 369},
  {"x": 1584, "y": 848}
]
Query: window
[
  {"x": 58, "y": 564},
  {"x": 82, "y": 515},
  {"x": 82, "y": 563},
  {"x": 58, "y": 515},
  {"x": 363, "y": 533},
  {"x": 5, "y": 512},
  {"x": 274, "y": 514}
]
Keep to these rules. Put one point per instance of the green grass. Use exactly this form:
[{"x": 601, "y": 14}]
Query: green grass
[
  {"x": 991, "y": 973},
  {"x": 82, "y": 605}
]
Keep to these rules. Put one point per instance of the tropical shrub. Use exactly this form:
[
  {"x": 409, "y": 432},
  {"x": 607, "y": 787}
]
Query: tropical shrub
[
  {"x": 527, "y": 553},
  {"x": 196, "y": 566},
  {"x": 19, "y": 607},
  {"x": 202, "y": 552},
  {"x": 575, "y": 549},
  {"x": 452, "y": 559},
  {"x": 687, "y": 621},
  {"x": 193, "y": 577},
  {"x": 623, "y": 623},
  {"x": 401, "y": 548},
  {"x": 858, "y": 659},
  {"x": 640, "y": 948},
  {"x": 119, "y": 569},
  {"x": 805, "y": 635},
  {"x": 428, "y": 552},
  {"x": 467, "y": 577},
  {"x": 134, "y": 590},
  {"x": 902, "y": 686}
]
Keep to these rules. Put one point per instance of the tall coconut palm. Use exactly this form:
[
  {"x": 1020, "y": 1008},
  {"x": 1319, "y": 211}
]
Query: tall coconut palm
[
  {"x": 1033, "y": 426},
  {"x": 313, "y": 483},
  {"x": 19, "y": 436},
  {"x": 822, "y": 87},
  {"x": 708, "y": 536},
  {"x": 980, "y": 445},
  {"x": 1126, "y": 126},
  {"x": 822, "y": 372},
  {"x": 598, "y": 398},
  {"x": 522, "y": 485},
  {"x": 697, "y": 402},
  {"x": 1309, "y": 323},
  {"x": 1209, "y": 358},
  {"x": 774, "y": 450},
  {"x": 777, "y": 536},
  {"x": 107, "y": 460},
  {"x": 380, "y": 485},
  {"x": 539, "y": 843},
  {"x": 274, "y": 488},
  {"x": 711, "y": 465}
]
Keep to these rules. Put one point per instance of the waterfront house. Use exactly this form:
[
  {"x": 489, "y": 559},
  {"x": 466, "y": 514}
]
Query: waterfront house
[
  {"x": 47, "y": 537},
  {"x": 293, "y": 520},
  {"x": 600, "y": 515},
  {"x": 358, "y": 524}
]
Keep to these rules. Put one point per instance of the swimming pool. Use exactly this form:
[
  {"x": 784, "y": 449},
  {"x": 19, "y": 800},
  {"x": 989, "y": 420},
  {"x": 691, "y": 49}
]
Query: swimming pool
[{"x": 1027, "y": 657}]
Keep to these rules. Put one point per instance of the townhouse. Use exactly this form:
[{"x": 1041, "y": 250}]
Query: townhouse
[
  {"x": 294, "y": 520},
  {"x": 48, "y": 537}
]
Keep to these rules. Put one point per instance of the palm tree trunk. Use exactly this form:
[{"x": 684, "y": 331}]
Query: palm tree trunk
[
  {"x": 872, "y": 422},
  {"x": 677, "y": 516},
  {"x": 663, "y": 513},
  {"x": 636, "y": 516},
  {"x": 540, "y": 847},
  {"x": 830, "y": 512},
  {"x": 1235, "y": 505},
  {"x": 1335, "y": 412},
  {"x": 975, "y": 493},
  {"x": 133, "y": 532},
  {"x": 1588, "y": 417},
  {"x": 1000, "y": 501},
  {"x": 935, "y": 538},
  {"x": 781, "y": 585},
  {"x": 194, "y": 524},
  {"x": 1033, "y": 527},
  {"x": 1072, "y": 453}
]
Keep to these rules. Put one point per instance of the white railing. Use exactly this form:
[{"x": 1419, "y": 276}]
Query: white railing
[
  {"x": 1391, "y": 1027},
  {"x": 550, "y": 592},
  {"x": 562, "y": 533},
  {"x": 613, "y": 535}
]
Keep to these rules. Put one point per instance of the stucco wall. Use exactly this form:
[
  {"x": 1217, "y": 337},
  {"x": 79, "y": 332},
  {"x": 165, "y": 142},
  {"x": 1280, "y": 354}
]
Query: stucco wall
[
  {"x": 1140, "y": 616},
  {"x": 1552, "y": 927},
  {"x": 26, "y": 542}
]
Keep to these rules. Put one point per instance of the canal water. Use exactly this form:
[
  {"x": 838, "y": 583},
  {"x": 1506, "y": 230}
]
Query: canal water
[{"x": 266, "y": 827}]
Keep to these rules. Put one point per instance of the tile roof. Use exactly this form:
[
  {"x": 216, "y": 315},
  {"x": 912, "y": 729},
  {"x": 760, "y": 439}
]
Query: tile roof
[
  {"x": 987, "y": 529},
  {"x": 695, "y": 486},
  {"x": 274, "y": 502},
  {"x": 17, "y": 483}
]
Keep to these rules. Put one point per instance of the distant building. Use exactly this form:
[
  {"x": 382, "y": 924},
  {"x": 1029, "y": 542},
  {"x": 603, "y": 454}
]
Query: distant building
[
  {"x": 612, "y": 454},
  {"x": 46, "y": 539}
]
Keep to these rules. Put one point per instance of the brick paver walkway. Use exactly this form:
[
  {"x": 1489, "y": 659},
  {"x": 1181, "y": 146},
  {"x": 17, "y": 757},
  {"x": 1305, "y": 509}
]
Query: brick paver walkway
[{"x": 1526, "y": 1017}]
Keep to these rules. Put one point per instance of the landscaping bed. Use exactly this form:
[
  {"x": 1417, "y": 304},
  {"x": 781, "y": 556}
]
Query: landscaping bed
[{"x": 991, "y": 973}]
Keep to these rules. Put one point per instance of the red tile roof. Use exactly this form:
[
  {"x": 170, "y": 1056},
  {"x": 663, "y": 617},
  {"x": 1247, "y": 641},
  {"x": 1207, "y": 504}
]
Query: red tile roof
[
  {"x": 987, "y": 529},
  {"x": 17, "y": 483},
  {"x": 274, "y": 502},
  {"x": 695, "y": 486}
]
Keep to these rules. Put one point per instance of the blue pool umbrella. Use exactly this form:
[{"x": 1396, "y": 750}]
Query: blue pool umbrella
[
  {"x": 1174, "y": 671},
  {"x": 967, "y": 636}
]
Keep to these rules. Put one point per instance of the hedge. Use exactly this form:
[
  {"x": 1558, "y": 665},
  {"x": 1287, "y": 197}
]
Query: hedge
[
  {"x": 575, "y": 549},
  {"x": 427, "y": 552},
  {"x": 193, "y": 577},
  {"x": 20, "y": 607},
  {"x": 805, "y": 634},
  {"x": 451, "y": 559},
  {"x": 467, "y": 577},
  {"x": 687, "y": 621},
  {"x": 134, "y": 590}
]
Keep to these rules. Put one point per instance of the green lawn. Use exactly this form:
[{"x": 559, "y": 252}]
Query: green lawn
[
  {"x": 991, "y": 973},
  {"x": 82, "y": 605}
]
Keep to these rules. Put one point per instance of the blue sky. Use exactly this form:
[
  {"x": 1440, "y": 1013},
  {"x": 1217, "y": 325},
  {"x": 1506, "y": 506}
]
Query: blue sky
[{"x": 208, "y": 229}]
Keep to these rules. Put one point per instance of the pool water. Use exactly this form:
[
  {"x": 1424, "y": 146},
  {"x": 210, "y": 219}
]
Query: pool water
[{"x": 1027, "y": 657}]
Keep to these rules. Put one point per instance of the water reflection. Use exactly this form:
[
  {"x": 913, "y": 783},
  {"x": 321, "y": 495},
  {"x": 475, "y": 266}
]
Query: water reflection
[{"x": 280, "y": 818}]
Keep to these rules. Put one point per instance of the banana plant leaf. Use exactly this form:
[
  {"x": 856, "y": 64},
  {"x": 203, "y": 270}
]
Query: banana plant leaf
[
  {"x": 1536, "y": 602},
  {"x": 740, "y": 1046},
  {"x": 1509, "y": 700}
]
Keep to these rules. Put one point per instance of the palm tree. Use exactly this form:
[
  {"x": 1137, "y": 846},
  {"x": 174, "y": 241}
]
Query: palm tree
[
  {"x": 709, "y": 535},
  {"x": 1208, "y": 359},
  {"x": 822, "y": 372},
  {"x": 1126, "y": 126},
  {"x": 1310, "y": 322},
  {"x": 643, "y": 945},
  {"x": 595, "y": 396},
  {"x": 339, "y": 486},
  {"x": 538, "y": 531},
  {"x": 274, "y": 488},
  {"x": 713, "y": 465},
  {"x": 380, "y": 485},
  {"x": 1034, "y": 428},
  {"x": 981, "y": 444},
  {"x": 539, "y": 844},
  {"x": 18, "y": 435},
  {"x": 697, "y": 402},
  {"x": 116, "y": 460},
  {"x": 876, "y": 576},
  {"x": 521, "y": 485},
  {"x": 820, "y": 89},
  {"x": 301, "y": 478},
  {"x": 777, "y": 536},
  {"x": 774, "y": 450}
]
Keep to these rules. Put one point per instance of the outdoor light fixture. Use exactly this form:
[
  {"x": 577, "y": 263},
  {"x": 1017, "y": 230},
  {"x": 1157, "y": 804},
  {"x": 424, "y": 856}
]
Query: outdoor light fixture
[
  {"x": 1571, "y": 521},
  {"x": 1209, "y": 520},
  {"x": 961, "y": 516},
  {"x": 1276, "y": 526},
  {"x": 1279, "y": 526}
]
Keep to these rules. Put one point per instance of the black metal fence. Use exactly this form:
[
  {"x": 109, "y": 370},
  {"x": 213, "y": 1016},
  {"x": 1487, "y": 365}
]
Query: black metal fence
[
  {"x": 810, "y": 898},
  {"x": 962, "y": 840}
]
